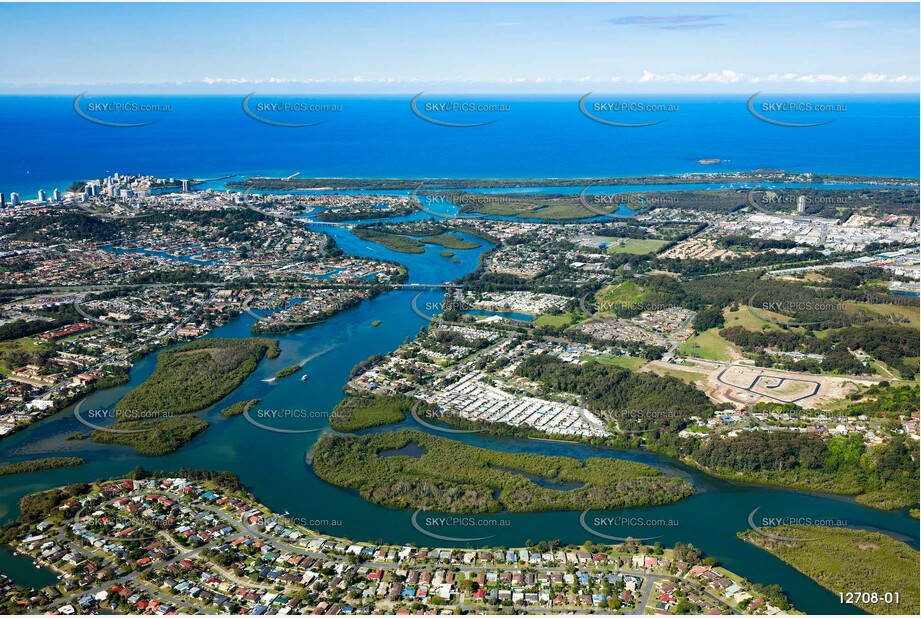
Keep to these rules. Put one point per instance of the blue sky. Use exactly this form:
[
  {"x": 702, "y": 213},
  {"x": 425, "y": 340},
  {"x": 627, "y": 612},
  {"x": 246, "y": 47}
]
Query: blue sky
[{"x": 509, "y": 48}]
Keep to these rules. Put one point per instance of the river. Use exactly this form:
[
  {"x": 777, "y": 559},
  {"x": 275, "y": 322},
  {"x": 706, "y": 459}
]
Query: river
[{"x": 275, "y": 466}]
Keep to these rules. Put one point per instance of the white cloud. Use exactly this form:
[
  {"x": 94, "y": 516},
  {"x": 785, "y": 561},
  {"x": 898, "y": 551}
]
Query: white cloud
[
  {"x": 726, "y": 76},
  {"x": 803, "y": 79},
  {"x": 882, "y": 78}
]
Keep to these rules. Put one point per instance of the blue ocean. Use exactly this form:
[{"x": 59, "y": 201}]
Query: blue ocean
[{"x": 47, "y": 145}]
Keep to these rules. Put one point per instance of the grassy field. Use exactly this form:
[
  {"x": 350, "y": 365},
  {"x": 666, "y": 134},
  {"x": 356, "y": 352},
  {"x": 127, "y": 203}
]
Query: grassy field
[
  {"x": 685, "y": 376},
  {"x": 534, "y": 207},
  {"x": 627, "y": 362},
  {"x": 553, "y": 320},
  {"x": 23, "y": 344},
  {"x": 899, "y": 312},
  {"x": 710, "y": 346},
  {"x": 78, "y": 336},
  {"x": 845, "y": 560},
  {"x": 625, "y": 293},
  {"x": 635, "y": 246},
  {"x": 747, "y": 319}
]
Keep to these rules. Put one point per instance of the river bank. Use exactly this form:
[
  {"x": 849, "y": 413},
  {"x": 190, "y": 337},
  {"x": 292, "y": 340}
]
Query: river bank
[{"x": 274, "y": 466}]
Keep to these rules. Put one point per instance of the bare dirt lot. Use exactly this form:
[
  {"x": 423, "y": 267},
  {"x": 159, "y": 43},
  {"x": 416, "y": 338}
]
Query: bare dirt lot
[{"x": 745, "y": 384}]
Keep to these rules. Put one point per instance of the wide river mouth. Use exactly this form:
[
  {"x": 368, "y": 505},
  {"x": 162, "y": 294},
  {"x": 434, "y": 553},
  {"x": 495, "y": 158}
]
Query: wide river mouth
[{"x": 276, "y": 466}]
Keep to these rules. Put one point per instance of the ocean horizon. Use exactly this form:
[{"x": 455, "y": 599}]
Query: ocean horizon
[{"x": 48, "y": 145}]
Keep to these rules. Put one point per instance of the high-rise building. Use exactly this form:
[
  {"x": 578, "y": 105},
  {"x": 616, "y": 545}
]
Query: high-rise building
[
  {"x": 185, "y": 186},
  {"x": 56, "y": 195},
  {"x": 42, "y": 196},
  {"x": 2, "y": 201},
  {"x": 14, "y": 199},
  {"x": 801, "y": 204}
]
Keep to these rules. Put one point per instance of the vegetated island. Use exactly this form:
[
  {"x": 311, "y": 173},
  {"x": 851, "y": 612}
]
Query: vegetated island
[
  {"x": 239, "y": 407},
  {"x": 412, "y": 469},
  {"x": 153, "y": 438},
  {"x": 394, "y": 242},
  {"x": 287, "y": 371},
  {"x": 450, "y": 241},
  {"x": 356, "y": 413},
  {"x": 272, "y": 327},
  {"x": 374, "y": 184},
  {"x": 187, "y": 379},
  {"x": 196, "y": 375},
  {"x": 849, "y": 561},
  {"x": 542, "y": 206},
  {"x": 408, "y": 244},
  {"x": 366, "y": 212},
  {"x": 37, "y": 465}
]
